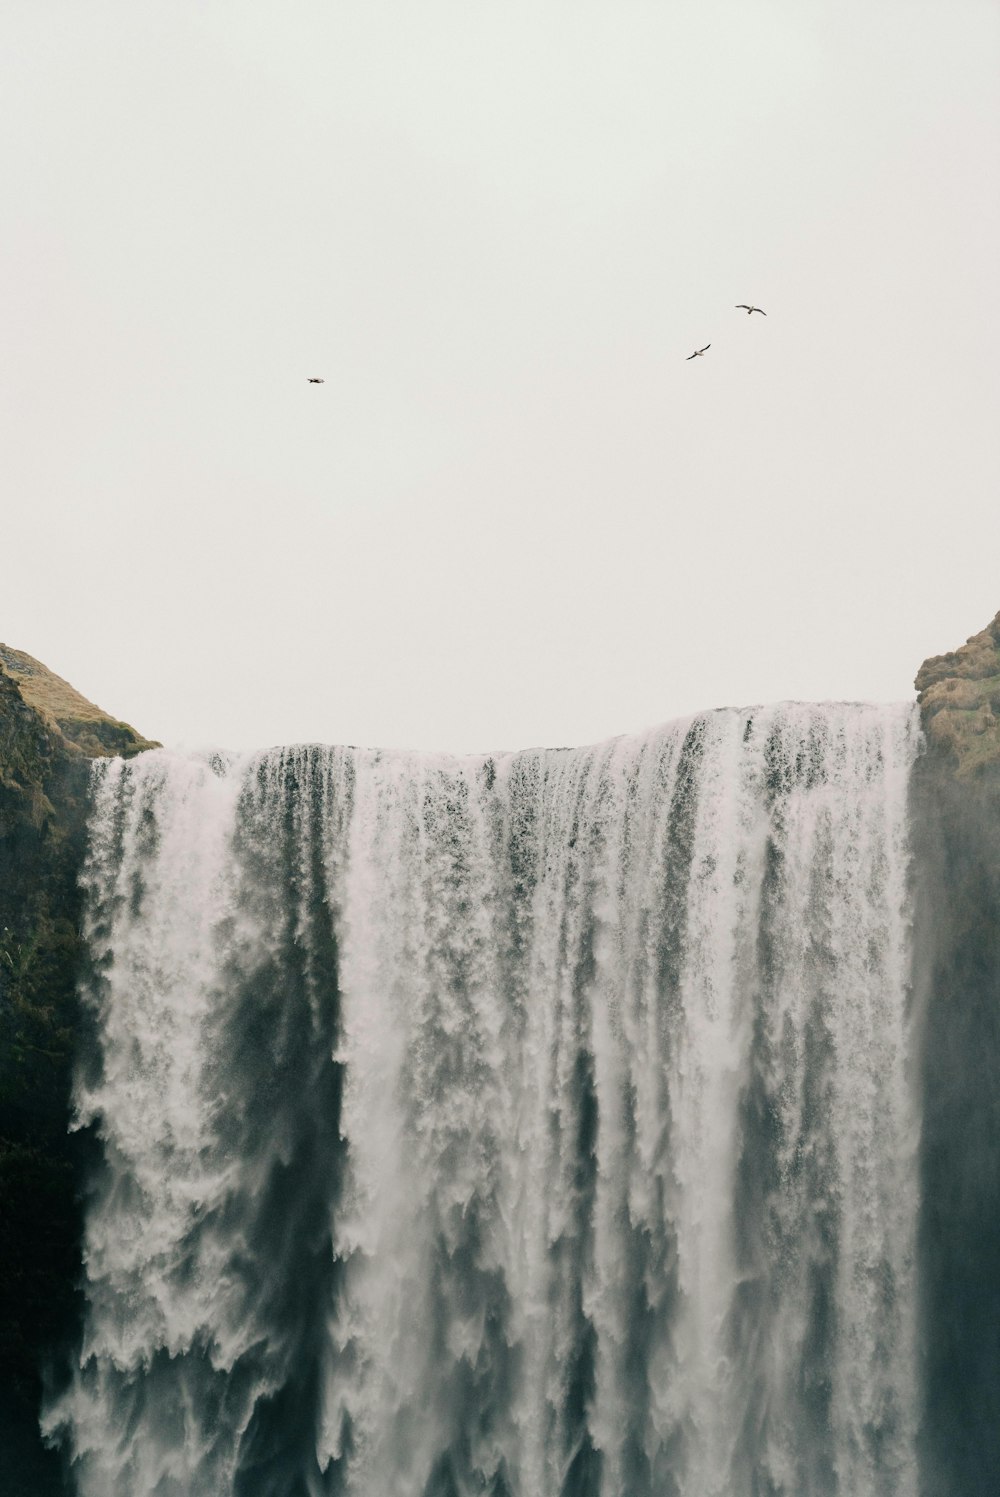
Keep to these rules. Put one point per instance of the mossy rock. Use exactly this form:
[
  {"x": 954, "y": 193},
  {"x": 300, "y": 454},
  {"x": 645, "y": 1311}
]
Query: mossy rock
[
  {"x": 959, "y": 696},
  {"x": 84, "y": 728},
  {"x": 49, "y": 734}
]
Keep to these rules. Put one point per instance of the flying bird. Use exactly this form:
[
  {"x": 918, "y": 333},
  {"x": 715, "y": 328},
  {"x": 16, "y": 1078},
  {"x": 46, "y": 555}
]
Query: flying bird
[
  {"x": 314, "y": 381},
  {"x": 742, "y": 307},
  {"x": 697, "y": 353}
]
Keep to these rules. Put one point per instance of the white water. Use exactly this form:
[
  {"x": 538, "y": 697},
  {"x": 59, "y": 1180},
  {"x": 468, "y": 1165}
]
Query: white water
[{"x": 533, "y": 1125}]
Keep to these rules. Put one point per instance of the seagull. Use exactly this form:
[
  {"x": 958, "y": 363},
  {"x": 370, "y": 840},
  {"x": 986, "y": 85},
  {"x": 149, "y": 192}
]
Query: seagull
[
  {"x": 697, "y": 353},
  {"x": 742, "y": 307},
  {"x": 312, "y": 380}
]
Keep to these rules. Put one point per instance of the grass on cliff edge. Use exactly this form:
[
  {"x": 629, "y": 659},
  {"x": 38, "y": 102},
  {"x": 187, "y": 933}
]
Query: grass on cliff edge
[{"x": 60, "y": 705}]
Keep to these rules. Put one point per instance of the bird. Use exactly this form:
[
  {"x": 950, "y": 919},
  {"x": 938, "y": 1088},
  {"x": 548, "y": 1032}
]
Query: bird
[
  {"x": 698, "y": 352},
  {"x": 313, "y": 380},
  {"x": 742, "y": 307}
]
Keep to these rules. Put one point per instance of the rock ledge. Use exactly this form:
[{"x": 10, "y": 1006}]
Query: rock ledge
[
  {"x": 959, "y": 697},
  {"x": 79, "y": 726}
]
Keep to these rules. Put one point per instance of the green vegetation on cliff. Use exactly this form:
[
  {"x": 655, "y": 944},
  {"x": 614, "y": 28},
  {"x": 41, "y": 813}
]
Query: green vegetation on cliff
[{"x": 48, "y": 736}]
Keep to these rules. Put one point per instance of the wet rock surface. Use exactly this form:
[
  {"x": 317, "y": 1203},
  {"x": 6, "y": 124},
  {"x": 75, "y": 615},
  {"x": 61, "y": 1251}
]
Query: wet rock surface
[
  {"x": 48, "y": 735},
  {"x": 956, "y": 831}
]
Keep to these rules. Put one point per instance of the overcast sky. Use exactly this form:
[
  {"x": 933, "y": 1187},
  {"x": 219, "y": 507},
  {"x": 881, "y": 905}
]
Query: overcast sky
[{"x": 515, "y": 512}]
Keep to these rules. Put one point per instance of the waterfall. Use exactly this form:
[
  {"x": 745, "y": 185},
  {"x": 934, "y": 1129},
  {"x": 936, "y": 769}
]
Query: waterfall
[{"x": 536, "y": 1125}]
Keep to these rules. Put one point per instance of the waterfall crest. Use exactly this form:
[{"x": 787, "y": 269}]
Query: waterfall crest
[{"x": 537, "y": 1125}]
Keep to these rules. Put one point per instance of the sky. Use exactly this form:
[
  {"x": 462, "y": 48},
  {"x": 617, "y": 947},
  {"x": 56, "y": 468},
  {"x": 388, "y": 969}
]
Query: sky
[{"x": 515, "y": 512}]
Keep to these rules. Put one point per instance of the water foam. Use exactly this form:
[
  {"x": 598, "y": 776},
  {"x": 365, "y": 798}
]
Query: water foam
[{"x": 537, "y": 1124}]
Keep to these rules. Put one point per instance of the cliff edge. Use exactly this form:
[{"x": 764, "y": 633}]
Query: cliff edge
[
  {"x": 81, "y": 727},
  {"x": 959, "y": 697},
  {"x": 49, "y": 734}
]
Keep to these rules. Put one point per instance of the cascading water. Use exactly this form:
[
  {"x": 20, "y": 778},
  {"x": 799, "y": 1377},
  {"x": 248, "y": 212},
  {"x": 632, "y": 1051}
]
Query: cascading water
[{"x": 529, "y": 1125}]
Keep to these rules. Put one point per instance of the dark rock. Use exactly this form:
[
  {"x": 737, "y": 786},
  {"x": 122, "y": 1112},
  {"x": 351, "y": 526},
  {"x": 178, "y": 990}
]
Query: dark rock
[
  {"x": 956, "y": 828},
  {"x": 48, "y": 736}
]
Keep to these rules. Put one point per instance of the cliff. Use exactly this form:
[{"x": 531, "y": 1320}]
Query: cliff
[
  {"x": 959, "y": 696},
  {"x": 956, "y": 839},
  {"x": 75, "y": 725},
  {"x": 48, "y": 735}
]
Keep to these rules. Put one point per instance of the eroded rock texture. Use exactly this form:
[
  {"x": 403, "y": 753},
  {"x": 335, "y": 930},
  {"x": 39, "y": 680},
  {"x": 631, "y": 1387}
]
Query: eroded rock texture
[{"x": 959, "y": 696}]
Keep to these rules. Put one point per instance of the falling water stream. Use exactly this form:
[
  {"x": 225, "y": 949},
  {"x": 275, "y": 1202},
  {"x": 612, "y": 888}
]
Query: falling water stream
[{"x": 537, "y": 1125}]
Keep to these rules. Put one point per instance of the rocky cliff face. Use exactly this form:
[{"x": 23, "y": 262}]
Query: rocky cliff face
[
  {"x": 959, "y": 696},
  {"x": 956, "y": 828},
  {"x": 48, "y": 736}
]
